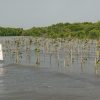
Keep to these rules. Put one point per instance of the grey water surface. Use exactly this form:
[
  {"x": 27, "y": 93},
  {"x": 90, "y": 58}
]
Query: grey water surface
[
  {"x": 55, "y": 77},
  {"x": 19, "y": 82}
]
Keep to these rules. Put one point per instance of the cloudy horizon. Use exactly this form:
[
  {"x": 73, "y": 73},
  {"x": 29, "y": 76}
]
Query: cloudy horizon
[{"x": 29, "y": 13}]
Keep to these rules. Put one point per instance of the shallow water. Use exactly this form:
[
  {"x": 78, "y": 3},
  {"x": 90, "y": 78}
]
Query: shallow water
[
  {"x": 60, "y": 55},
  {"x": 34, "y": 83},
  {"x": 59, "y": 75}
]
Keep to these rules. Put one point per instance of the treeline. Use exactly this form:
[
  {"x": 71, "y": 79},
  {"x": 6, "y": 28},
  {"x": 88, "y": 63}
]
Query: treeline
[
  {"x": 61, "y": 30},
  {"x": 10, "y": 31}
]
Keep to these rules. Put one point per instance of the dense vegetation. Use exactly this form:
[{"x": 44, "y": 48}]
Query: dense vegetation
[{"x": 85, "y": 30}]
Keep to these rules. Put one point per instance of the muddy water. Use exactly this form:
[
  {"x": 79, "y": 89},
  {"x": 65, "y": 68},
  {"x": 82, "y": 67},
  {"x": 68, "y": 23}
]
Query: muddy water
[
  {"x": 59, "y": 75},
  {"x": 19, "y": 82}
]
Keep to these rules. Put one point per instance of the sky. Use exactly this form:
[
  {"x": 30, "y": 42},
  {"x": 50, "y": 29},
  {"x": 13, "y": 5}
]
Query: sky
[{"x": 29, "y": 13}]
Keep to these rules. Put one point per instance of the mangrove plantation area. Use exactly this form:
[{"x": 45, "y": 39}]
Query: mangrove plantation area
[
  {"x": 58, "y": 62},
  {"x": 63, "y": 46}
]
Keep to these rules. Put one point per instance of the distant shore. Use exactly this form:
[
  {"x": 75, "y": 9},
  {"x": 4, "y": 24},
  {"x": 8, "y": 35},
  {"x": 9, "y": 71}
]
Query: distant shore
[{"x": 85, "y": 30}]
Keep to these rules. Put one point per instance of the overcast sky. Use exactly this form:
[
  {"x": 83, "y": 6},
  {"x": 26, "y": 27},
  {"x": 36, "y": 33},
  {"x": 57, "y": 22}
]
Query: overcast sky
[{"x": 29, "y": 13}]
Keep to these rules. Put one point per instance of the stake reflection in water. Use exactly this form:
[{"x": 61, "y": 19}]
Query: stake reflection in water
[{"x": 1, "y": 71}]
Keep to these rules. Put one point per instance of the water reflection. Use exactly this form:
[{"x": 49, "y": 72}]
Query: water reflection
[{"x": 2, "y": 71}]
